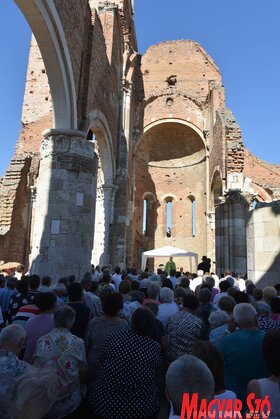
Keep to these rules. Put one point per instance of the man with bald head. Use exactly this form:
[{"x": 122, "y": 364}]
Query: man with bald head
[{"x": 242, "y": 351}]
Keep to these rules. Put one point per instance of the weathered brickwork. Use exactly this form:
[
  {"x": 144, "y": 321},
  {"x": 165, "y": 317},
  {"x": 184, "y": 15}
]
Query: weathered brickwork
[{"x": 162, "y": 136}]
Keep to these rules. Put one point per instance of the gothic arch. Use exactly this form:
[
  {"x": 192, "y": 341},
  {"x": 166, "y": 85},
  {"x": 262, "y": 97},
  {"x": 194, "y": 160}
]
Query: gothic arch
[
  {"x": 97, "y": 123},
  {"x": 104, "y": 209},
  {"x": 46, "y": 26}
]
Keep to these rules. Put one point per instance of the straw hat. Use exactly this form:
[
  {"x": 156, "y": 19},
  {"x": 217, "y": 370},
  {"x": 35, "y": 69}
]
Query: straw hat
[{"x": 9, "y": 265}]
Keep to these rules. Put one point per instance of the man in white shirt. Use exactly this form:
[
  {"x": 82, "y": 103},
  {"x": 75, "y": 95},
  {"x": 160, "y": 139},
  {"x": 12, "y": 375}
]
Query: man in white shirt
[
  {"x": 117, "y": 278},
  {"x": 196, "y": 281}
]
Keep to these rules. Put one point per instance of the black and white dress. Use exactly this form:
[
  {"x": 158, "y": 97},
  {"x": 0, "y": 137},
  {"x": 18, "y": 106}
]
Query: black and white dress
[{"x": 126, "y": 386}]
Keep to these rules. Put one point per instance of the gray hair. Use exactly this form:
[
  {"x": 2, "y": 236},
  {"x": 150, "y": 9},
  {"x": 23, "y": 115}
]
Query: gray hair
[
  {"x": 188, "y": 374},
  {"x": 218, "y": 318},
  {"x": 166, "y": 295},
  {"x": 12, "y": 334},
  {"x": 262, "y": 308},
  {"x": 268, "y": 293},
  {"x": 209, "y": 280},
  {"x": 244, "y": 313},
  {"x": 64, "y": 316},
  {"x": 153, "y": 290}
]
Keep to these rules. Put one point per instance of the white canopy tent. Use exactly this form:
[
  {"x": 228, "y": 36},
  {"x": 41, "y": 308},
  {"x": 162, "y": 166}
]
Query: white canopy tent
[{"x": 166, "y": 252}]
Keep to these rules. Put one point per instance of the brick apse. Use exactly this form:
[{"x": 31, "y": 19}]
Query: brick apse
[{"x": 121, "y": 153}]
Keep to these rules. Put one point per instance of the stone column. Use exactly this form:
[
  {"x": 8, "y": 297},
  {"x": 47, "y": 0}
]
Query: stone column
[
  {"x": 104, "y": 218},
  {"x": 65, "y": 205},
  {"x": 231, "y": 246}
]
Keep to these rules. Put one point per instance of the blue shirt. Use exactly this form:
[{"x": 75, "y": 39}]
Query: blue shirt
[
  {"x": 5, "y": 296},
  {"x": 242, "y": 351}
]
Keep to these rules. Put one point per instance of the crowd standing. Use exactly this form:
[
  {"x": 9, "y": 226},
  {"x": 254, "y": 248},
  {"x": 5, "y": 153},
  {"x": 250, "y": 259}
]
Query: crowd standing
[{"x": 126, "y": 344}]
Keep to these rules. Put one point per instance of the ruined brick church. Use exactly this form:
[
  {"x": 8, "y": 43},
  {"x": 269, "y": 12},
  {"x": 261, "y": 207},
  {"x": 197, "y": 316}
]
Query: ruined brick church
[{"x": 121, "y": 153}]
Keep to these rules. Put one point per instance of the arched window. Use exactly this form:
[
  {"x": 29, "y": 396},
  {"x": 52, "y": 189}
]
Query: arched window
[
  {"x": 193, "y": 215},
  {"x": 148, "y": 214},
  {"x": 168, "y": 215}
]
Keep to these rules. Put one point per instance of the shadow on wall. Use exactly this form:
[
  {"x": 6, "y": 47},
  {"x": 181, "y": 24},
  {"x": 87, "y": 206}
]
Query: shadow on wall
[{"x": 263, "y": 242}]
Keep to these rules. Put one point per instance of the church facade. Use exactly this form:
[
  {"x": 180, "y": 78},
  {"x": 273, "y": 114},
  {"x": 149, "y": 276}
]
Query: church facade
[{"x": 121, "y": 153}]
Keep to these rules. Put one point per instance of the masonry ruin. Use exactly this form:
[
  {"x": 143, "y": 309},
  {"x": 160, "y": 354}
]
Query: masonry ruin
[{"x": 121, "y": 153}]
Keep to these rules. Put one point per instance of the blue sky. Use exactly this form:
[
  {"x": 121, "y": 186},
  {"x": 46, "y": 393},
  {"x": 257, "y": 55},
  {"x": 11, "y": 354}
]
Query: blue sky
[{"x": 242, "y": 36}]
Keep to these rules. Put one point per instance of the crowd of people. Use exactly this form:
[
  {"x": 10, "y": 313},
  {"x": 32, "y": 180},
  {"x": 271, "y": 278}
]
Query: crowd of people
[{"x": 128, "y": 344}]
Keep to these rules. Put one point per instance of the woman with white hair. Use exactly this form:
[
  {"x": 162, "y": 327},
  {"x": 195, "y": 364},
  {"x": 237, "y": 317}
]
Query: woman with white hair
[
  {"x": 188, "y": 375},
  {"x": 167, "y": 307},
  {"x": 12, "y": 340}
]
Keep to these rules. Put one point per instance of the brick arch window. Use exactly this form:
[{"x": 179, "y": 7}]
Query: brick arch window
[
  {"x": 168, "y": 206},
  {"x": 193, "y": 214},
  {"x": 148, "y": 213}
]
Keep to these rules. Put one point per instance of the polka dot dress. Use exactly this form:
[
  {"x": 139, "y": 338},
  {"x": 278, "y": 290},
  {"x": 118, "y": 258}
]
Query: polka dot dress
[{"x": 126, "y": 384}]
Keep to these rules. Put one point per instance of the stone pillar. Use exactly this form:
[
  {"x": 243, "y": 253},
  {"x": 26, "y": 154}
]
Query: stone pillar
[
  {"x": 263, "y": 243},
  {"x": 65, "y": 205},
  {"x": 104, "y": 218},
  {"x": 231, "y": 246}
]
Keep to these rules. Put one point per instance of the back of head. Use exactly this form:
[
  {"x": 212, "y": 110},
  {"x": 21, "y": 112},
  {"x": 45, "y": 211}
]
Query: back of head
[
  {"x": 271, "y": 351},
  {"x": 227, "y": 304},
  {"x": 75, "y": 292},
  {"x": 166, "y": 283},
  {"x": 64, "y": 317},
  {"x": 268, "y": 293},
  {"x": 86, "y": 280},
  {"x": 153, "y": 306},
  {"x": 275, "y": 305},
  {"x": 258, "y": 294},
  {"x": 173, "y": 272},
  {"x": 117, "y": 270},
  {"x": 45, "y": 301},
  {"x": 262, "y": 308},
  {"x": 47, "y": 281},
  {"x": 224, "y": 286},
  {"x": 143, "y": 322},
  {"x": 245, "y": 315},
  {"x": 125, "y": 286},
  {"x": 213, "y": 358},
  {"x": 166, "y": 295},
  {"x": 12, "y": 335},
  {"x": 241, "y": 297},
  {"x": 34, "y": 282},
  {"x": 59, "y": 288},
  {"x": 137, "y": 296},
  {"x": 190, "y": 375},
  {"x": 204, "y": 295},
  {"x": 209, "y": 280},
  {"x": 22, "y": 286},
  {"x": 112, "y": 304},
  {"x": 185, "y": 282},
  {"x": 191, "y": 302},
  {"x": 11, "y": 282},
  {"x": 231, "y": 280},
  {"x": 135, "y": 285},
  {"x": 153, "y": 291},
  {"x": 218, "y": 318}
]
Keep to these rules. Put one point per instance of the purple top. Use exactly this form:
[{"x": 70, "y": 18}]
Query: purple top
[{"x": 35, "y": 328}]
